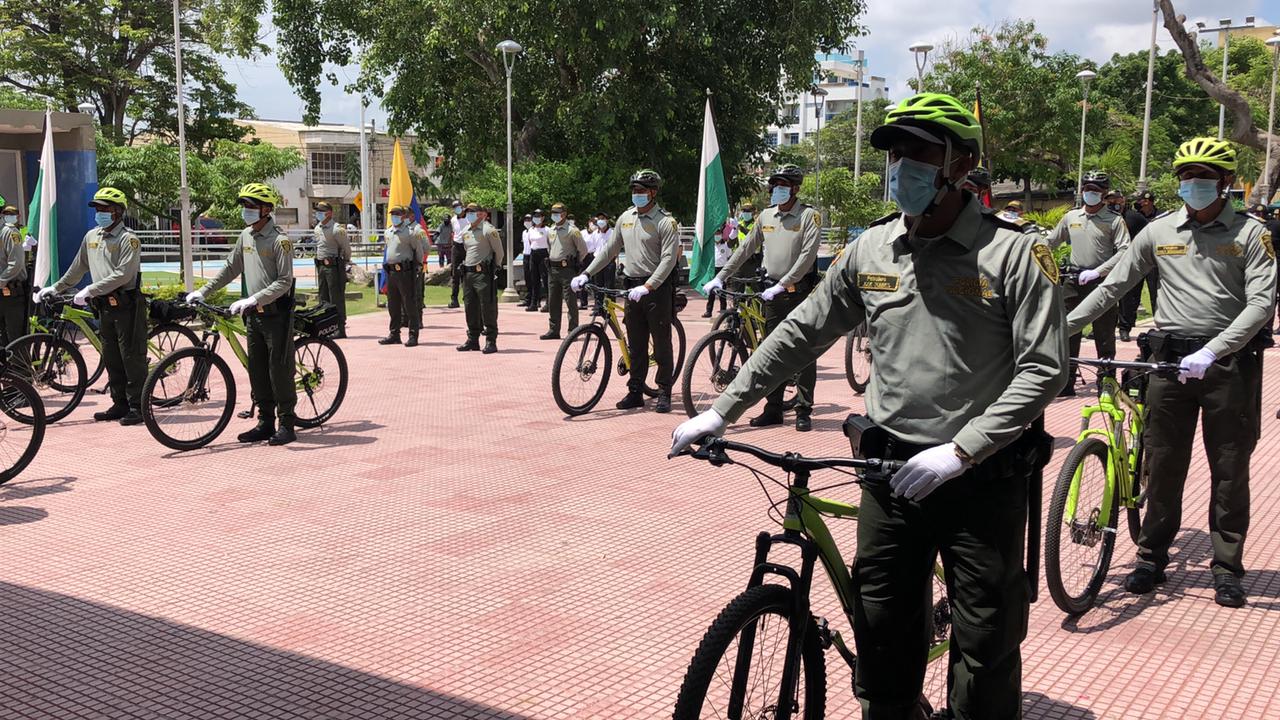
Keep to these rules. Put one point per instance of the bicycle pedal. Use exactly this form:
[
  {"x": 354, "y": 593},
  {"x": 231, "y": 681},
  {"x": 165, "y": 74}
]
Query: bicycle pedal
[{"x": 824, "y": 633}]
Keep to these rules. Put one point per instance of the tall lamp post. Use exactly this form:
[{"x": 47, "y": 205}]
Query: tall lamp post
[
  {"x": 819, "y": 107},
  {"x": 1146, "y": 112},
  {"x": 1273, "y": 42},
  {"x": 509, "y": 50},
  {"x": 184, "y": 192},
  {"x": 921, "y": 52},
  {"x": 1085, "y": 77},
  {"x": 857, "y": 142},
  {"x": 1225, "y": 27}
]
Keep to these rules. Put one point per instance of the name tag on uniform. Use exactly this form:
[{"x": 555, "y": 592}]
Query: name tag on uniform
[
  {"x": 1075, "y": 226},
  {"x": 251, "y": 249},
  {"x": 768, "y": 228},
  {"x": 1162, "y": 250},
  {"x": 628, "y": 225},
  {"x": 877, "y": 282},
  {"x": 93, "y": 244}
]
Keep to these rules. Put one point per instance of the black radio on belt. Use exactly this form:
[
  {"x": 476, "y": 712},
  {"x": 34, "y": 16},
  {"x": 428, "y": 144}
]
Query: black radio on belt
[
  {"x": 327, "y": 262},
  {"x": 866, "y": 438}
]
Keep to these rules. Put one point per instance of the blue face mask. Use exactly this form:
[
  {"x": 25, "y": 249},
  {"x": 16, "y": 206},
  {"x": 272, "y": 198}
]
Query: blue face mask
[
  {"x": 103, "y": 219},
  {"x": 779, "y": 195},
  {"x": 250, "y": 215},
  {"x": 640, "y": 199},
  {"x": 10, "y": 219},
  {"x": 537, "y": 220},
  {"x": 911, "y": 185},
  {"x": 1091, "y": 198},
  {"x": 1198, "y": 193},
  {"x": 556, "y": 217},
  {"x": 746, "y": 216},
  {"x": 458, "y": 211},
  {"x": 320, "y": 216},
  {"x": 471, "y": 218},
  {"x": 397, "y": 220}
]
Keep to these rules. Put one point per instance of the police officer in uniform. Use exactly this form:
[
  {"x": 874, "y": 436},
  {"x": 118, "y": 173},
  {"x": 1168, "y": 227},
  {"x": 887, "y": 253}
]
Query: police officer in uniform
[
  {"x": 264, "y": 254},
  {"x": 333, "y": 252},
  {"x": 788, "y": 235},
  {"x": 13, "y": 278},
  {"x": 1098, "y": 237},
  {"x": 406, "y": 251},
  {"x": 111, "y": 254},
  {"x": 565, "y": 251},
  {"x": 1218, "y": 280},
  {"x": 651, "y": 240},
  {"x": 458, "y": 225},
  {"x": 479, "y": 283},
  {"x": 970, "y": 307}
]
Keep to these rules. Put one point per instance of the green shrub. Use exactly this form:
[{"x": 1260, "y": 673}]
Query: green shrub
[{"x": 175, "y": 291}]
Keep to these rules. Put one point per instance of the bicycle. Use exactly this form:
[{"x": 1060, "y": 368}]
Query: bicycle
[
  {"x": 193, "y": 387},
  {"x": 582, "y": 366},
  {"x": 857, "y": 359},
  {"x": 770, "y": 627},
  {"x": 19, "y": 401},
  {"x": 1104, "y": 472},
  {"x": 719, "y": 355}
]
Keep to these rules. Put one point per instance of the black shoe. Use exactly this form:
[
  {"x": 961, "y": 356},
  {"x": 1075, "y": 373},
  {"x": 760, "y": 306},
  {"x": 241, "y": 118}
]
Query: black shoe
[
  {"x": 283, "y": 436},
  {"x": 663, "y": 405},
  {"x": 582, "y": 306},
  {"x": 1143, "y": 580},
  {"x": 261, "y": 431},
  {"x": 412, "y": 341},
  {"x": 392, "y": 339},
  {"x": 468, "y": 346},
  {"x": 706, "y": 314},
  {"x": 803, "y": 422},
  {"x": 530, "y": 308},
  {"x": 1228, "y": 592},
  {"x": 115, "y": 412},
  {"x": 341, "y": 335},
  {"x": 454, "y": 304},
  {"x": 632, "y": 401},
  {"x": 549, "y": 335},
  {"x": 1069, "y": 390},
  {"x": 490, "y": 348},
  {"x": 544, "y": 308},
  {"x": 767, "y": 418},
  {"x": 1124, "y": 335},
  {"x": 133, "y": 417}
]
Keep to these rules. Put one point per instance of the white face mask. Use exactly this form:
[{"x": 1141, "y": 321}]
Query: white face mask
[
  {"x": 528, "y": 224},
  {"x": 10, "y": 219},
  {"x": 780, "y": 194},
  {"x": 556, "y": 218},
  {"x": 250, "y": 215},
  {"x": 537, "y": 220}
]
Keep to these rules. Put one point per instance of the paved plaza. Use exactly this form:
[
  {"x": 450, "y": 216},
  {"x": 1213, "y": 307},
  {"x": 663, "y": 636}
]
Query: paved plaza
[{"x": 450, "y": 546}]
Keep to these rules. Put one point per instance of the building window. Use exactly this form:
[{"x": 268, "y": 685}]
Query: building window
[
  {"x": 328, "y": 168},
  {"x": 771, "y": 139},
  {"x": 793, "y": 138}
]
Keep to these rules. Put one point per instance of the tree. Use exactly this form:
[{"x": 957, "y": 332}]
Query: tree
[
  {"x": 849, "y": 202},
  {"x": 618, "y": 85},
  {"x": 118, "y": 55},
  {"x": 839, "y": 140}
]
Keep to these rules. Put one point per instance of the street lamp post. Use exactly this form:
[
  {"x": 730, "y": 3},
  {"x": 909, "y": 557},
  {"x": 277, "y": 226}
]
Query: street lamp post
[
  {"x": 1146, "y": 113},
  {"x": 921, "y": 51},
  {"x": 857, "y": 142},
  {"x": 1225, "y": 27},
  {"x": 819, "y": 105},
  {"x": 509, "y": 50},
  {"x": 1265, "y": 191},
  {"x": 184, "y": 192},
  {"x": 1085, "y": 77}
]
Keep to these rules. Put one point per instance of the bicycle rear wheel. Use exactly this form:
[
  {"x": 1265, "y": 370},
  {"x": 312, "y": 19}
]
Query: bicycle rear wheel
[
  {"x": 1077, "y": 551},
  {"x": 581, "y": 369},
  {"x": 188, "y": 398},
  {"x": 737, "y": 669},
  {"x": 92, "y": 356},
  {"x": 54, "y": 368},
  {"x": 934, "y": 692},
  {"x": 165, "y": 339},
  {"x": 320, "y": 374},
  {"x": 713, "y": 364},
  {"x": 857, "y": 359},
  {"x": 677, "y": 351},
  {"x": 19, "y": 441}
]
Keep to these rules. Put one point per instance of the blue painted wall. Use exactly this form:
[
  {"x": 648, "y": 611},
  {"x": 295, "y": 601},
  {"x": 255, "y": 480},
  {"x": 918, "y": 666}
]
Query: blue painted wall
[{"x": 77, "y": 172}]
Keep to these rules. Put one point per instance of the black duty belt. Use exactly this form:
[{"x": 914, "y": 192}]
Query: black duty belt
[
  {"x": 564, "y": 263},
  {"x": 406, "y": 266},
  {"x": 326, "y": 262},
  {"x": 482, "y": 267}
]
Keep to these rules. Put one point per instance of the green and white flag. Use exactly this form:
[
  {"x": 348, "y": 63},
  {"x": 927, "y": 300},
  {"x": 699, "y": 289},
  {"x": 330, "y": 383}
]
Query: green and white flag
[
  {"x": 42, "y": 213},
  {"x": 713, "y": 206}
]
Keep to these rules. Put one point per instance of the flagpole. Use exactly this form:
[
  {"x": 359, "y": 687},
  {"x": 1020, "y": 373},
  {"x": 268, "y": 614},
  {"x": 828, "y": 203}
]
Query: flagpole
[
  {"x": 982, "y": 123},
  {"x": 184, "y": 192}
]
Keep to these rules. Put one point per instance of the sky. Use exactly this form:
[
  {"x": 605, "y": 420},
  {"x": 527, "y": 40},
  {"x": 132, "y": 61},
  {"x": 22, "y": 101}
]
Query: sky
[{"x": 1094, "y": 29}]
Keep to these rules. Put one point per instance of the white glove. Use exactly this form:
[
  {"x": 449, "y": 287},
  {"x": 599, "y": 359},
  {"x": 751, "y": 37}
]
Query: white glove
[
  {"x": 1193, "y": 366},
  {"x": 29, "y": 243},
  {"x": 198, "y": 295},
  {"x": 44, "y": 293},
  {"x": 1088, "y": 276},
  {"x": 81, "y": 298},
  {"x": 637, "y": 292},
  {"x": 577, "y": 283},
  {"x": 242, "y": 306},
  {"x": 926, "y": 471},
  {"x": 771, "y": 293},
  {"x": 711, "y": 286},
  {"x": 709, "y": 422}
]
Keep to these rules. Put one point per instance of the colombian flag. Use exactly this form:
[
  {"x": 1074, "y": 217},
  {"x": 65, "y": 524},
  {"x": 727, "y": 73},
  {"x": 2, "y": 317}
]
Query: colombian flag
[{"x": 401, "y": 192}]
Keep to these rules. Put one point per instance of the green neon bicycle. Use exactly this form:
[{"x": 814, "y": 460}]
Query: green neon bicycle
[
  {"x": 190, "y": 395},
  {"x": 584, "y": 361},
  {"x": 764, "y": 654},
  {"x": 1104, "y": 472},
  {"x": 718, "y": 356}
]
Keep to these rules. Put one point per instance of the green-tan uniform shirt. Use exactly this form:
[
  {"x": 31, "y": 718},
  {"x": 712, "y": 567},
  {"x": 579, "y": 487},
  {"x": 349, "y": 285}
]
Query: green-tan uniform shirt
[
  {"x": 565, "y": 243},
  {"x": 266, "y": 259},
  {"x": 407, "y": 243},
  {"x": 332, "y": 242},
  {"x": 1096, "y": 240},
  {"x": 1217, "y": 280},
  {"x": 13, "y": 258},
  {"x": 482, "y": 243},
  {"x": 967, "y": 332},
  {"x": 790, "y": 241},
  {"x": 651, "y": 241},
  {"x": 112, "y": 259}
]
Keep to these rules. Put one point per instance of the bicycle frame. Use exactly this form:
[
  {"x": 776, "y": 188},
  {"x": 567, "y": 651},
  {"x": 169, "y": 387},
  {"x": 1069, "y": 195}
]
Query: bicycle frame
[
  {"x": 80, "y": 319},
  {"x": 230, "y": 329},
  {"x": 1115, "y": 407}
]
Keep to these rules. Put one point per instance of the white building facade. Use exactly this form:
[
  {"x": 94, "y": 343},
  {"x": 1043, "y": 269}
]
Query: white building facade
[{"x": 840, "y": 78}]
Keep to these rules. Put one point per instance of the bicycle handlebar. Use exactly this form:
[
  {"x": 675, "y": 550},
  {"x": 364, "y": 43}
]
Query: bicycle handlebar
[
  {"x": 202, "y": 305},
  {"x": 715, "y": 450},
  {"x": 1107, "y": 364},
  {"x": 609, "y": 292}
]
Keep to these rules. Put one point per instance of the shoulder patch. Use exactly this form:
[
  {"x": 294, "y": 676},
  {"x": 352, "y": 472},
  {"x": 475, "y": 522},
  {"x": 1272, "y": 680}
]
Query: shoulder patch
[
  {"x": 999, "y": 221},
  {"x": 1265, "y": 237},
  {"x": 133, "y": 242},
  {"x": 1044, "y": 260},
  {"x": 885, "y": 220},
  {"x": 285, "y": 243}
]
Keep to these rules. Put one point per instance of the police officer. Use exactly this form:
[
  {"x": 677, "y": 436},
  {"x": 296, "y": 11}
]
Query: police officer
[
  {"x": 111, "y": 254},
  {"x": 13, "y": 278},
  {"x": 458, "y": 226},
  {"x": 264, "y": 254},
  {"x": 333, "y": 252},
  {"x": 1218, "y": 280},
  {"x": 565, "y": 251},
  {"x": 406, "y": 251},
  {"x": 1097, "y": 236},
  {"x": 524, "y": 260},
  {"x": 970, "y": 307},
  {"x": 479, "y": 284},
  {"x": 787, "y": 233},
  {"x": 651, "y": 239},
  {"x": 1135, "y": 220}
]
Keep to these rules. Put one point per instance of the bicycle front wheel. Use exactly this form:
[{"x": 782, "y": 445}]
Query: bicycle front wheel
[
  {"x": 933, "y": 694},
  {"x": 737, "y": 669},
  {"x": 54, "y": 368},
  {"x": 188, "y": 399},
  {"x": 1078, "y": 544},
  {"x": 19, "y": 441},
  {"x": 581, "y": 369},
  {"x": 713, "y": 364},
  {"x": 320, "y": 374},
  {"x": 167, "y": 338},
  {"x": 92, "y": 356},
  {"x": 677, "y": 351},
  {"x": 857, "y": 359}
]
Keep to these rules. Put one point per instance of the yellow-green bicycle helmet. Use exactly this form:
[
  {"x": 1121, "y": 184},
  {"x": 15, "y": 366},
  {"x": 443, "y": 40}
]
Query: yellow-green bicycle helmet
[
  {"x": 930, "y": 113},
  {"x": 111, "y": 196},
  {"x": 259, "y": 193},
  {"x": 1206, "y": 151}
]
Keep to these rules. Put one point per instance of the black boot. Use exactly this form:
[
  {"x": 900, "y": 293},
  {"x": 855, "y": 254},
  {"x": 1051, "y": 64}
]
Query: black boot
[
  {"x": 549, "y": 335},
  {"x": 770, "y": 416},
  {"x": 454, "y": 304},
  {"x": 469, "y": 345},
  {"x": 133, "y": 417},
  {"x": 115, "y": 412},
  {"x": 391, "y": 339},
  {"x": 262, "y": 431},
  {"x": 1068, "y": 390},
  {"x": 804, "y": 423},
  {"x": 490, "y": 347},
  {"x": 634, "y": 399},
  {"x": 1124, "y": 334},
  {"x": 1143, "y": 579},
  {"x": 413, "y": 339},
  {"x": 1228, "y": 592},
  {"x": 663, "y": 405},
  {"x": 283, "y": 436}
]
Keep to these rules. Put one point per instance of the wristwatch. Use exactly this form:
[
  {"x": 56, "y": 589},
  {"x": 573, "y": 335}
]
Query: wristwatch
[{"x": 965, "y": 457}]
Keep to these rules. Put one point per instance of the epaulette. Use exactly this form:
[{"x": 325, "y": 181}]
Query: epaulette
[
  {"x": 1001, "y": 222},
  {"x": 1260, "y": 222},
  {"x": 885, "y": 220}
]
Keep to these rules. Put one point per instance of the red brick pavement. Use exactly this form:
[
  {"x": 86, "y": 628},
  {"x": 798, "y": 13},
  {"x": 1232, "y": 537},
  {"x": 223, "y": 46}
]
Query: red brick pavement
[{"x": 450, "y": 546}]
